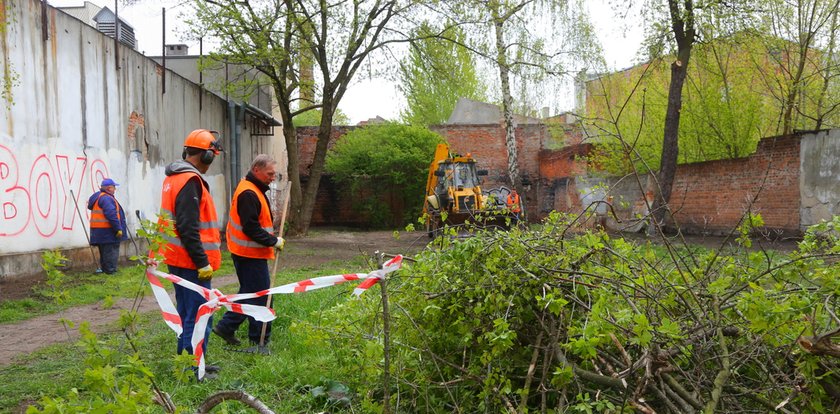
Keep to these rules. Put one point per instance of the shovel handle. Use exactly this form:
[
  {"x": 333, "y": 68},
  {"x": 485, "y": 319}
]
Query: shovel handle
[{"x": 277, "y": 257}]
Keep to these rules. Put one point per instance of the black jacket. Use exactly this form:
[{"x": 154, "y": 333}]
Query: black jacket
[{"x": 248, "y": 207}]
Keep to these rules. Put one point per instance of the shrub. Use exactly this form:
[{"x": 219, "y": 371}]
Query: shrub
[
  {"x": 536, "y": 321},
  {"x": 384, "y": 169}
]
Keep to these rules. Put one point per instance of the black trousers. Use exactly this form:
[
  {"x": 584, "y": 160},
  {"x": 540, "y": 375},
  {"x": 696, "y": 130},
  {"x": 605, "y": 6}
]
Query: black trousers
[{"x": 253, "y": 277}]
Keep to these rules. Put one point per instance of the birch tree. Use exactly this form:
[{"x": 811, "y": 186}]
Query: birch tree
[{"x": 527, "y": 42}]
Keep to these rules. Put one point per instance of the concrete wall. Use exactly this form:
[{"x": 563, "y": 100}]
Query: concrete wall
[
  {"x": 819, "y": 182},
  {"x": 73, "y": 115}
]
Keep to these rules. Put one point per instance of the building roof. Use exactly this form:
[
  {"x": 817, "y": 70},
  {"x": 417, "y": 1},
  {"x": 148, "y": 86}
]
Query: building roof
[
  {"x": 84, "y": 12},
  {"x": 102, "y": 19},
  {"x": 470, "y": 112}
]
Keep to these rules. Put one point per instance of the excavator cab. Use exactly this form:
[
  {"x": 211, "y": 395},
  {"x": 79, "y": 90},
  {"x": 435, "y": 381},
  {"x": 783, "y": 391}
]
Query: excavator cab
[{"x": 453, "y": 190}]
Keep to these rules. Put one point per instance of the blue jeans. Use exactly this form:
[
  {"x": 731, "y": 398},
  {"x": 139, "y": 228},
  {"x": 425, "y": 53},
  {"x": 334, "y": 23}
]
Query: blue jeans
[
  {"x": 187, "y": 304},
  {"x": 253, "y": 277},
  {"x": 109, "y": 254}
]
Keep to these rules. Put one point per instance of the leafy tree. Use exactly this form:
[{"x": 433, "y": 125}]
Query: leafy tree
[
  {"x": 384, "y": 166},
  {"x": 437, "y": 72},
  {"x": 801, "y": 69},
  {"x": 725, "y": 111},
  {"x": 313, "y": 118},
  {"x": 277, "y": 38},
  {"x": 682, "y": 19},
  {"x": 674, "y": 28}
]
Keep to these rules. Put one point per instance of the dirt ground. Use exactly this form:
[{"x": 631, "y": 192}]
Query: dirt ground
[{"x": 321, "y": 246}]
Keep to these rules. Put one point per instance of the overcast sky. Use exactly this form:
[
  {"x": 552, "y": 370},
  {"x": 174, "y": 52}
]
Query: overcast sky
[{"x": 367, "y": 98}]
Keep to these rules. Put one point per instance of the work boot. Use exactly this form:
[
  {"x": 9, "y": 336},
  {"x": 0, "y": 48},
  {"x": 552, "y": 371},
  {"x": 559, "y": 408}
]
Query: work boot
[
  {"x": 212, "y": 369},
  {"x": 229, "y": 338}
]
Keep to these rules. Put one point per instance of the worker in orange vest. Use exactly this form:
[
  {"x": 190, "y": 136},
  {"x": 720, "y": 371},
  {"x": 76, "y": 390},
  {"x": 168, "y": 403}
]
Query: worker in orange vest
[
  {"x": 194, "y": 253},
  {"x": 252, "y": 245},
  {"x": 514, "y": 205},
  {"x": 107, "y": 225}
]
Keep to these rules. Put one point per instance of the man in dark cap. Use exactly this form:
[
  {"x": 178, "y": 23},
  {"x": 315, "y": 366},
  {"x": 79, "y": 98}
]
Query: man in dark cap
[{"x": 107, "y": 225}]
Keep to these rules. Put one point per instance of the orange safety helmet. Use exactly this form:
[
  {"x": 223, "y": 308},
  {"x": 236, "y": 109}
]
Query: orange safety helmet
[{"x": 205, "y": 140}]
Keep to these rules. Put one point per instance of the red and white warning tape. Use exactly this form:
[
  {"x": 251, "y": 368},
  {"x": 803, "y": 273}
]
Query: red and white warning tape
[{"x": 216, "y": 299}]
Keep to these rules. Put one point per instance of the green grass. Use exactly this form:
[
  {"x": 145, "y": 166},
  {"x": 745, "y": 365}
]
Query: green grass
[
  {"x": 281, "y": 380},
  {"x": 85, "y": 288}
]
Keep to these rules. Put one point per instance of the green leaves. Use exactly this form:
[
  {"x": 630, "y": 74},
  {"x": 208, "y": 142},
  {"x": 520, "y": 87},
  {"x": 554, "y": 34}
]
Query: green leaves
[
  {"x": 331, "y": 393},
  {"x": 642, "y": 330},
  {"x": 385, "y": 168},
  {"x": 437, "y": 73}
]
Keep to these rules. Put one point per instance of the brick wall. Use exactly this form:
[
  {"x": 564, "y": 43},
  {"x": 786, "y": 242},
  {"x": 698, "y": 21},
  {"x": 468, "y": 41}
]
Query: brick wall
[
  {"x": 487, "y": 144},
  {"x": 708, "y": 197},
  {"x": 557, "y": 172},
  {"x": 713, "y": 196},
  {"x": 307, "y": 137}
]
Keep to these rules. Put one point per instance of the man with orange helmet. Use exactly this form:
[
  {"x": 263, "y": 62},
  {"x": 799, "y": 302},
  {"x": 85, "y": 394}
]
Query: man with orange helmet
[
  {"x": 194, "y": 253},
  {"x": 251, "y": 244}
]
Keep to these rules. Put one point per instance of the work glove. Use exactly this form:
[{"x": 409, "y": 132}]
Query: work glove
[
  {"x": 205, "y": 273},
  {"x": 280, "y": 243},
  {"x": 119, "y": 234}
]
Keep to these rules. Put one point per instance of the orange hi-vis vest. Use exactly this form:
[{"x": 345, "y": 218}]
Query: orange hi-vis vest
[
  {"x": 513, "y": 203},
  {"x": 97, "y": 216},
  {"x": 174, "y": 253},
  {"x": 237, "y": 241}
]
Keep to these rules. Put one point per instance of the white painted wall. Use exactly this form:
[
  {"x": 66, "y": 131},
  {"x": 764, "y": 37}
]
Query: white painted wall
[{"x": 73, "y": 117}]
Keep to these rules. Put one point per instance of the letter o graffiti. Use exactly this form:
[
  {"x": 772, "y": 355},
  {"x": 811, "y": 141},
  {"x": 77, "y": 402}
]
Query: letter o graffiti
[{"x": 44, "y": 196}]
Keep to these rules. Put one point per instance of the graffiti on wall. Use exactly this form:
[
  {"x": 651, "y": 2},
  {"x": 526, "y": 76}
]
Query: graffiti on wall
[{"x": 35, "y": 197}]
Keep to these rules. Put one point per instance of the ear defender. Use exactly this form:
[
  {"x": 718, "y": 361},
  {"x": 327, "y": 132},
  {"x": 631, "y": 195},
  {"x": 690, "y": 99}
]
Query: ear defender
[{"x": 208, "y": 156}]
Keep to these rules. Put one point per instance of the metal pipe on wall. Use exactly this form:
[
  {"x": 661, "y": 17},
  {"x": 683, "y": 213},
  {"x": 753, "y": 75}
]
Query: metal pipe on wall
[
  {"x": 163, "y": 47},
  {"x": 234, "y": 145}
]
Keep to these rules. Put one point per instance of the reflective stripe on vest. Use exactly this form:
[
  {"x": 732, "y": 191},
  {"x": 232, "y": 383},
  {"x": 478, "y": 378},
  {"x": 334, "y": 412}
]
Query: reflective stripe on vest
[
  {"x": 97, "y": 215},
  {"x": 237, "y": 241},
  {"x": 208, "y": 228}
]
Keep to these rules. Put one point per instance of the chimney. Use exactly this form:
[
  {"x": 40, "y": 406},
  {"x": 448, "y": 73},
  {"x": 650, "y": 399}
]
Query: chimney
[{"x": 177, "y": 50}]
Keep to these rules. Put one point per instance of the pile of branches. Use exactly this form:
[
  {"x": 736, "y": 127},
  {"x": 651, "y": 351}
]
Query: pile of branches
[{"x": 545, "y": 321}]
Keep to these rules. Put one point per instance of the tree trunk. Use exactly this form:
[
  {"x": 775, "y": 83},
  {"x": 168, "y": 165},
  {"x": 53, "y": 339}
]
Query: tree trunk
[
  {"x": 316, "y": 170},
  {"x": 293, "y": 174},
  {"x": 805, "y": 38},
  {"x": 827, "y": 70},
  {"x": 683, "y": 27},
  {"x": 293, "y": 155},
  {"x": 793, "y": 94},
  {"x": 507, "y": 99}
]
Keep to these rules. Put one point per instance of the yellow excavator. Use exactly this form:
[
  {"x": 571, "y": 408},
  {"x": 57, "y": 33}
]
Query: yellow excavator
[{"x": 454, "y": 196}]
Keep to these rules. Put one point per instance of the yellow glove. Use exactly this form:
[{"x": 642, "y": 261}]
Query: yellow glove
[
  {"x": 280, "y": 243},
  {"x": 119, "y": 234},
  {"x": 205, "y": 273}
]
